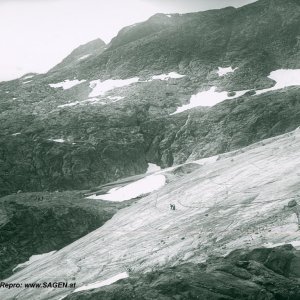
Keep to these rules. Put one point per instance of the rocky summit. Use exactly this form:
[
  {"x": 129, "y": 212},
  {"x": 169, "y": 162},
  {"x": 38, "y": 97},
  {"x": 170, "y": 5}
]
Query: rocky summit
[{"x": 159, "y": 165}]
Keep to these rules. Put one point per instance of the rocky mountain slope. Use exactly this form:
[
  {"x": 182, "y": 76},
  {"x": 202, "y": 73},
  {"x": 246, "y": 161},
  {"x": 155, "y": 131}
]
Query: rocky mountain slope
[
  {"x": 233, "y": 202},
  {"x": 211, "y": 97},
  {"x": 105, "y": 111}
]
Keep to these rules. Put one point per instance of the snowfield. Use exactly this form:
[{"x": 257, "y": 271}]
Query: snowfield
[
  {"x": 207, "y": 98},
  {"x": 67, "y": 84},
  {"x": 99, "y": 88},
  {"x": 230, "y": 203},
  {"x": 99, "y": 284},
  {"x": 283, "y": 79},
  {"x": 133, "y": 190},
  {"x": 153, "y": 168}
]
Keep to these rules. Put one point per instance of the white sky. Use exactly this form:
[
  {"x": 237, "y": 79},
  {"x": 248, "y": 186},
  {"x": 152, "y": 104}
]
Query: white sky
[{"x": 37, "y": 34}]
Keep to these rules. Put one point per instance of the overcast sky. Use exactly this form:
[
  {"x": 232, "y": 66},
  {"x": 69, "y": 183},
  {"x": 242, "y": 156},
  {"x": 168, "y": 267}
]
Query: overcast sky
[{"x": 37, "y": 34}]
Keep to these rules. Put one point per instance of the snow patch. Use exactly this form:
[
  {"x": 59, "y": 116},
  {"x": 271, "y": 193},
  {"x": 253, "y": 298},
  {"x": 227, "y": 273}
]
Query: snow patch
[
  {"x": 24, "y": 82},
  {"x": 153, "y": 168},
  {"x": 135, "y": 189},
  {"x": 208, "y": 98},
  {"x": 28, "y": 76},
  {"x": 57, "y": 140},
  {"x": 115, "y": 98},
  {"x": 207, "y": 160},
  {"x": 17, "y": 133},
  {"x": 169, "y": 16},
  {"x": 69, "y": 104},
  {"x": 87, "y": 101},
  {"x": 172, "y": 75},
  {"x": 99, "y": 88},
  {"x": 84, "y": 57},
  {"x": 33, "y": 259},
  {"x": 284, "y": 78},
  {"x": 224, "y": 71},
  {"x": 102, "y": 283},
  {"x": 67, "y": 84}
]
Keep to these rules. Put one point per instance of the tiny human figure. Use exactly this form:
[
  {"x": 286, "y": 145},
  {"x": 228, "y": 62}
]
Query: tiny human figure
[
  {"x": 172, "y": 206},
  {"x": 295, "y": 208}
]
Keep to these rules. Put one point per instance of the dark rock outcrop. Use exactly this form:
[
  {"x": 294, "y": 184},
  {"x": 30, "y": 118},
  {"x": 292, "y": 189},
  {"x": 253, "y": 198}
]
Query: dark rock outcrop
[{"x": 258, "y": 274}]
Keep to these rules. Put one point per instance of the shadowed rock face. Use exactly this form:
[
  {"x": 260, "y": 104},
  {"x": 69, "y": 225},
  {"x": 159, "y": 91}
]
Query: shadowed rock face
[
  {"x": 31, "y": 225},
  {"x": 257, "y": 274}
]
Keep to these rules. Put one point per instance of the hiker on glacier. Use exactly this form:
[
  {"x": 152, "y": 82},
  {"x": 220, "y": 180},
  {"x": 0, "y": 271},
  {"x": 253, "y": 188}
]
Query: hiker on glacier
[
  {"x": 295, "y": 208},
  {"x": 172, "y": 206}
]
